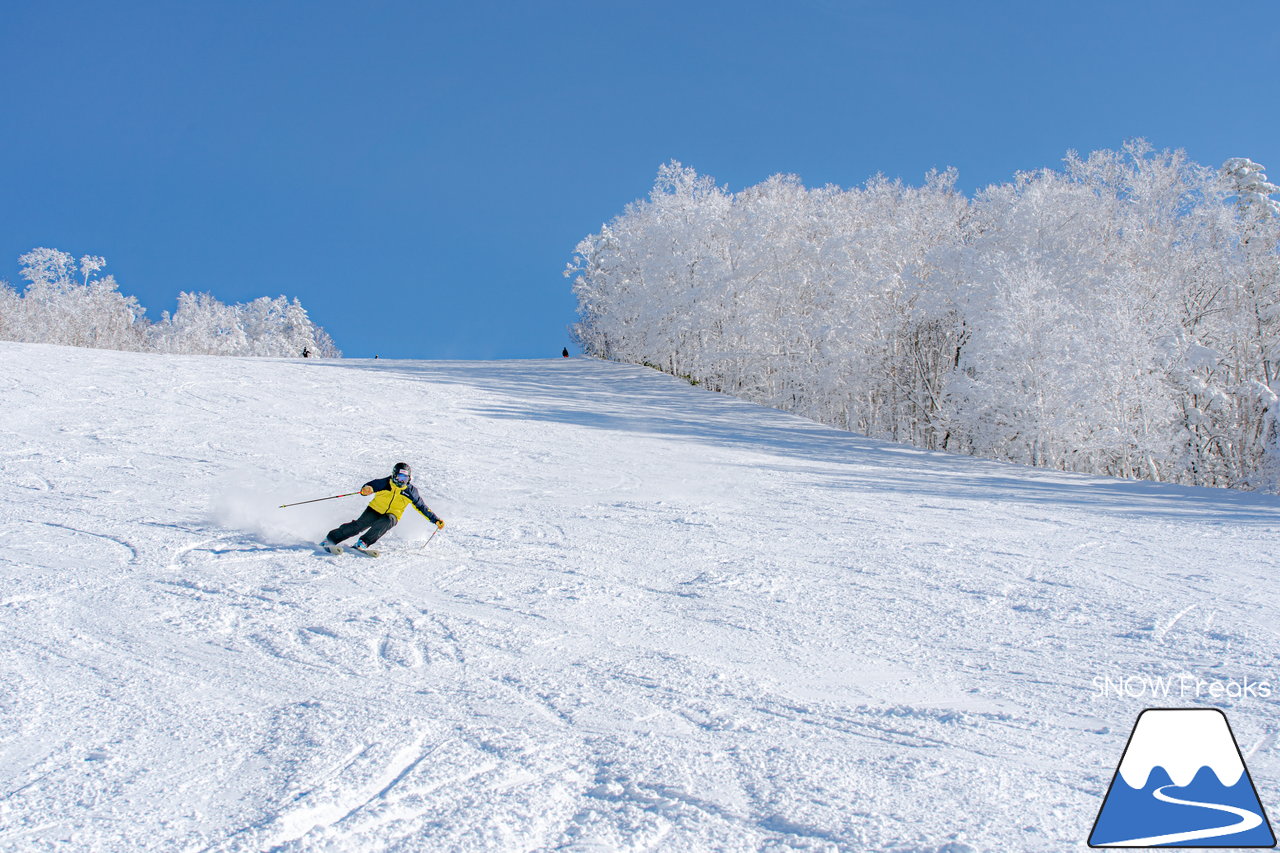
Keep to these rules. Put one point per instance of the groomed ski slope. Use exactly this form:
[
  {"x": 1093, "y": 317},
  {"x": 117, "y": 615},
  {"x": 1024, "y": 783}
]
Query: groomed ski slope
[{"x": 658, "y": 619}]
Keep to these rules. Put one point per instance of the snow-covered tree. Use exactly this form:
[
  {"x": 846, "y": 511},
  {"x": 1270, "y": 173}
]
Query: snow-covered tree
[
  {"x": 280, "y": 327},
  {"x": 264, "y": 327},
  {"x": 1255, "y": 336},
  {"x": 1120, "y": 315},
  {"x": 11, "y": 308},
  {"x": 66, "y": 302},
  {"x": 202, "y": 325},
  {"x": 60, "y": 307}
]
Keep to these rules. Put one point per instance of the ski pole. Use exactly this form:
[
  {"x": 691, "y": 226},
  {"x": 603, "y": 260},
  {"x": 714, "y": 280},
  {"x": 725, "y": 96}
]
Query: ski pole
[{"x": 331, "y": 497}]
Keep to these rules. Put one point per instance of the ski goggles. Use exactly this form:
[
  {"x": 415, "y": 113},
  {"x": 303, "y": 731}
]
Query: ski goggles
[{"x": 401, "y": 477}]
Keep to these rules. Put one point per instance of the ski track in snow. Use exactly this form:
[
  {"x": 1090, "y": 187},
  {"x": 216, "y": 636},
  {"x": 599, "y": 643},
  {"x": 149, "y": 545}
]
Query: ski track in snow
[{"x": 658, "y": 619}]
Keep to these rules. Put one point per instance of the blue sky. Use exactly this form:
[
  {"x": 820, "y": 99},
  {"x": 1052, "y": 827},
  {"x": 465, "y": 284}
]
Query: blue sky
[{"x": 418, "y": 173}]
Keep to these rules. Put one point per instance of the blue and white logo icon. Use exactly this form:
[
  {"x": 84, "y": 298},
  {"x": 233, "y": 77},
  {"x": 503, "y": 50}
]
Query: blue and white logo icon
[{"x": 1182, "y": 783}]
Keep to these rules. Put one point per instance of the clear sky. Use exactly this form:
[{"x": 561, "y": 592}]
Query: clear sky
[{"x": 418, "y": 173}]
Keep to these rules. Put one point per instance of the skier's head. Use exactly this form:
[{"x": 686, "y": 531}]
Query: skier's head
[{"x": 401, "y": 474}]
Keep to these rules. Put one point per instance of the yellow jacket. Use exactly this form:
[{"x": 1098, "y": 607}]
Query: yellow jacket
[{"x": 389, "y": 498}]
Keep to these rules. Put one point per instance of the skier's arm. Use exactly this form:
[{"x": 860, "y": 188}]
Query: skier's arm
[{"x": 422, "y": 507}]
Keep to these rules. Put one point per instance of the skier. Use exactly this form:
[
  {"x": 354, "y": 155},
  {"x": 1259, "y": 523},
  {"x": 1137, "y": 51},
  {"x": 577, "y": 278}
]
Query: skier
[
  {"x": 564, "y": 353},
  {"x": 390, "y": 497}
]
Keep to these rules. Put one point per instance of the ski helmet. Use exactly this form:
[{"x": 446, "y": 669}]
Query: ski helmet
[{"x": 402, "y": 473}]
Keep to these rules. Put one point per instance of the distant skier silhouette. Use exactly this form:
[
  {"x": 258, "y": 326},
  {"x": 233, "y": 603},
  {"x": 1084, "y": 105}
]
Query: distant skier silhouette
[{"x": 565, "y": 352}]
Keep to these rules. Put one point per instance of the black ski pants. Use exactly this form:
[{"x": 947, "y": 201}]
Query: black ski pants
[{"x": 371, "y": 523}]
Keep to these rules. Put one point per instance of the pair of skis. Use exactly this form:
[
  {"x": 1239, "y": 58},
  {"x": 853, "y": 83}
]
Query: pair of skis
[
  {"x": 338, "y": 549},
  {"x": 368, "y": 552}
]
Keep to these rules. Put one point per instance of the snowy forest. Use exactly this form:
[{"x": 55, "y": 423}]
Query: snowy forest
[
  {"x": 1117, "y": 316},
  {"x": 70, "y": 303}
]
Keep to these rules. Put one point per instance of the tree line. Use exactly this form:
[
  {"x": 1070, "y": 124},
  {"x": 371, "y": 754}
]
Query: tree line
[
  {"x": 70, "y": 303},
  {"x": 1118, "y": 316}
]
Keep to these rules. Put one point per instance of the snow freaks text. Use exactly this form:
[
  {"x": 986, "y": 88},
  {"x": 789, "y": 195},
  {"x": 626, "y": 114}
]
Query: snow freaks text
[{"x": 1180, "y": 686}]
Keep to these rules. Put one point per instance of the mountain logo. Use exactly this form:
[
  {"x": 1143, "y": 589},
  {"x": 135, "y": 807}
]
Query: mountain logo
[{"x": 1182, "y": 783}]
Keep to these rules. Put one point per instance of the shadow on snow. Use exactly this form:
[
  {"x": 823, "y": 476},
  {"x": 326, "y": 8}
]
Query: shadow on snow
[{"x": 630, "y": 399}]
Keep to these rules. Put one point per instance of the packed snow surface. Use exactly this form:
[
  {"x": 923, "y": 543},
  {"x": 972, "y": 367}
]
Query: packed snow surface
[{"x": 658, "y": 619}]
